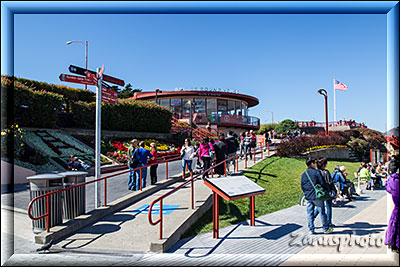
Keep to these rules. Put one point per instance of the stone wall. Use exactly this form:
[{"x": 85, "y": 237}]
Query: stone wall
[{"x": 331, "y": 153}]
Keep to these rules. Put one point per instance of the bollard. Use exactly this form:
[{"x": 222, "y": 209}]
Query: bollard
[
  {"x": 225, "y": 167},
  {"x": 166, "y": 170}
]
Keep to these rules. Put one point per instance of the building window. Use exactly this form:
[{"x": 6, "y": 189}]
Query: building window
[
  {"x": 176, "y": 106},
  {"x": 244, "y": 109},
  {"x": 186, "y": 107},
  {"x": 211, "y": 106},
  {"x": 238, "y": 108},
  {"x": 231, "y": 107},
  {"x": 200, "y": 105},
  {"x": 165, "y": 103},
  {"x": 222, "y": 106}
]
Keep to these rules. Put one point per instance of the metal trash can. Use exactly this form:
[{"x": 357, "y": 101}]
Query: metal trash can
[
  {"x": 40, "y": 185},
  {"x": 74, "y": 200}
]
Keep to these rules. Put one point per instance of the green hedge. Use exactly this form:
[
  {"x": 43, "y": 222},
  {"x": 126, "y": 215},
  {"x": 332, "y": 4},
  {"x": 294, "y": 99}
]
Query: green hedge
[
  {"x": 34, "y": 108},
  {"x": 70, "y": 94},
  {"x": 132, "y": 115}
]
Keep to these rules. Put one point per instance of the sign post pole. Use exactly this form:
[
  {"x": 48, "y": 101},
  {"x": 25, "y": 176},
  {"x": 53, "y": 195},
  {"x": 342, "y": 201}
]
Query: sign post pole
[{"x": 97, "y": 198}]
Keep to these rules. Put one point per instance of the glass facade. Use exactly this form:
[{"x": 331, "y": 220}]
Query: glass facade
[
  {"x": 214, "y": 108},
  {"x": 165, "y": 103},
  {"x": 200, "y": 105}
]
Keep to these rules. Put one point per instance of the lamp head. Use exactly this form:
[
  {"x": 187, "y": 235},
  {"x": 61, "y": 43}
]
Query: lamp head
[{"x": 69, "y": 42}]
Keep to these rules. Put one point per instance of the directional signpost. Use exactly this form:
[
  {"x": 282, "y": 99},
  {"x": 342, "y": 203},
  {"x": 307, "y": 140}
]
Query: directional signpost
[{"x": 103, "y": 94}]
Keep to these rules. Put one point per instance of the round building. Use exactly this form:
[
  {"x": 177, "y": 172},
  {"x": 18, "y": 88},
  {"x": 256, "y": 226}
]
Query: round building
[{"x": 222, "y": 110}]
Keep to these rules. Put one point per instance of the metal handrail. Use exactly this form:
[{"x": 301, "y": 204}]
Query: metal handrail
[
  {"x": 47, "y": 195},
  {"x": 191, "y": 180}
]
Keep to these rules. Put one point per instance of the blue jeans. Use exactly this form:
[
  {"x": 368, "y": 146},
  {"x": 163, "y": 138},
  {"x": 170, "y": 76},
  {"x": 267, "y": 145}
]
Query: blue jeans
[
  {"x": 137, "y": 176},
  {"x": 187, "y": 162},
  {"x": 328, "y": 204},
  {"x": 131, "y": 179},
  {"x": 320, "y": 207}
]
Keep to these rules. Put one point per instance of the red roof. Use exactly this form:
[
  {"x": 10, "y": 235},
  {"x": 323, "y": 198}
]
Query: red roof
[{"x": 252, "y": 101}]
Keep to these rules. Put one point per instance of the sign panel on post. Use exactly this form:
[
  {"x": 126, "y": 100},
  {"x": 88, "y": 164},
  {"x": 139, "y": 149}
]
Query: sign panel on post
[
  {"x": 76, "y": 79},
  {"x": 106, "y": 78}
]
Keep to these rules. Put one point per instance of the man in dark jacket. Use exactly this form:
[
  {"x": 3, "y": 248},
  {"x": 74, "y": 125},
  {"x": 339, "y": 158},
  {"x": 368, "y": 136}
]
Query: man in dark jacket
[
  {"x": 309, "y": 193},
  {"x": 233, "y": 146}
]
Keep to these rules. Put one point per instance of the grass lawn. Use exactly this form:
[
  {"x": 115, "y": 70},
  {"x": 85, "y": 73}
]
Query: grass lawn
[{"x": 281, "y": 179}]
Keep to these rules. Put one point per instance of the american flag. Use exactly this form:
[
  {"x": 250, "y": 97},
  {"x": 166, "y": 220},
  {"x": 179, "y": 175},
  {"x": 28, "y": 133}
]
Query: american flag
[{"x": 339, "y": 85}]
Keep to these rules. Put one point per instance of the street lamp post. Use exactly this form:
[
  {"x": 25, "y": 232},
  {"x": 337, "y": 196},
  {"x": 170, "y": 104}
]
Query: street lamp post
[
  {"x": 157, "y": 91},
  {"x": 271, "y": 114},
  {"x": 86, "y": 53},
  {"x": 190, "y": 114},
  {"x": 325, "y": 94}
]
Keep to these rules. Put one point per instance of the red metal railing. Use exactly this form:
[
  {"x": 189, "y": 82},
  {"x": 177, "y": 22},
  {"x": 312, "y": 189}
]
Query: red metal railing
[
  {"x": 47, "y": 195},
  {"x": 191, "y": 180}
]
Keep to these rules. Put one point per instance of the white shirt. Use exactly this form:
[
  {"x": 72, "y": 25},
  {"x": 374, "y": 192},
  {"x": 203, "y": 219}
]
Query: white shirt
[{"x": 189, "y": 152}]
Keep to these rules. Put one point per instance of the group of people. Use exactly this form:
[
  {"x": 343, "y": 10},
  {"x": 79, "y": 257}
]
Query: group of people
[
  {"x": 141, "y": 156},
  {"x": 373, "y": 173},
  {"x": 207, "y": 152},
  {"x": 337, "y": 184},
  {"x": 201, "y": 156},
  {"x": 248, "y": 141}
]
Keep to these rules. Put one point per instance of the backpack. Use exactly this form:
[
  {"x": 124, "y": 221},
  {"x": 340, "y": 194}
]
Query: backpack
[
  {"x": 134, "y": 161},
  {"x": 232, "y": 145}
]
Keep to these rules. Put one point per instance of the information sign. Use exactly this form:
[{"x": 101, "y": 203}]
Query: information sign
[
  {"x": 82, "y": 71},
  {"x": 76, "y": 79}
]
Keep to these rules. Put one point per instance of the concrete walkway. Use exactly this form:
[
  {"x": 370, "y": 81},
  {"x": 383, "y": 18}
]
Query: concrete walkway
[{"x": 278, "y": 238}]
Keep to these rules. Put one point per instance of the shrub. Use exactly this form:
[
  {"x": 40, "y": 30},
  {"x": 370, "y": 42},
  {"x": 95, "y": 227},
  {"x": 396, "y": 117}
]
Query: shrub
[
  {"x": 286, "y": 125},
  {"x": 297, "y": 146},
  {"x": 266, "y": 127},
  {"x": 35, "y": 109},
  {"x": 132, "y": 115},
  {"x": 360, "y": 147}
]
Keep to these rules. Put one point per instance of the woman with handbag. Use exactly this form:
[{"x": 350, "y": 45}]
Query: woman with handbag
[
  {"x": 205, "y": 154},
  {"x": 187, "y": 154},
  {"x": 313, "y": 185},
  {"x": 322, "y": 163}
]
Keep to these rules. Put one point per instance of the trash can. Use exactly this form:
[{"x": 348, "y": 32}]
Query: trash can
[
  {"x": 74, "y": 200},
  {"x": 42, "y": 184}
]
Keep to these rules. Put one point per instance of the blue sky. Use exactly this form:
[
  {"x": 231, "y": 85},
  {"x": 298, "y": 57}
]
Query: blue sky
[{"x": 281, "y": 59}]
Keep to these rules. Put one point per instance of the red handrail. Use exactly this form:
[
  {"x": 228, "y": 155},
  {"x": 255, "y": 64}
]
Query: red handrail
[
  {"x": 160, "y": 199},
  {"x": 47, "y": 195},
  {"x": 174, "y": 190}
]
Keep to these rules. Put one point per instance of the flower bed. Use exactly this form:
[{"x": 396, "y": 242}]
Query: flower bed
[
  {"x": 325, "y": 146},
  {"x": 58, "y": 146}
]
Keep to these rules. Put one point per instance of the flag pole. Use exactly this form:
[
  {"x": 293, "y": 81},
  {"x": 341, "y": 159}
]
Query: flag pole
[{"x": 334, "y": 101}]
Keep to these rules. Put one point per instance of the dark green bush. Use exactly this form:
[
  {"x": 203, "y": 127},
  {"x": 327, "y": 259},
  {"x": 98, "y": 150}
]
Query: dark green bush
[
  {"x": 34, "y": 108},
  {"x": 129, "y": 115}
]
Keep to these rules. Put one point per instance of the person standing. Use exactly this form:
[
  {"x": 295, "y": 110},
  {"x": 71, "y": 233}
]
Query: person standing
[
  {"x": 187, "y": 153},
  {"x": 221, "y": 151},
  {"x": 132, "y": 180},
  {"x": 309, "y": 179},
  {"x": 242, "y": 150},
  {"x": 392, "y": 187},
  {"x": 247, "y": 145},
  {"x": 233, "y": 146},
  {"x": 153, "y": 168},
  {"x": 205, "y": 154},
  {"x": 321, "y": 164},
  {"x": 143, "y": 156}
]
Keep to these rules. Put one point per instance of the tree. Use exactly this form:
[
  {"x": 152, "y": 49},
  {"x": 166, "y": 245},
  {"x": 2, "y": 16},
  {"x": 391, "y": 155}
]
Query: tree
[
  {"x": 286, "y": 125},
  {"x": 266, "y": 127},
  {"x": 128, "y": 91}
]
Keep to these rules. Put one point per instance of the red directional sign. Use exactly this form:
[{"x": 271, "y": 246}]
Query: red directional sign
[
  {"x": 106, "y": 78},
  {"x": 76, "y": 79},
  {"x": 109, "y": 100},
  {"x": 109, "y": 93},
  {"x": 91, "y": 76}
]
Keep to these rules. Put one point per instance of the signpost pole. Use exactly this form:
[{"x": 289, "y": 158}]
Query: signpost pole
[{"x": 97, "y": 198}]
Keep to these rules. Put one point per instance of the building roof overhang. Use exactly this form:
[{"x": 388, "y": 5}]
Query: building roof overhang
[{"x": 252, "y": 101}]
